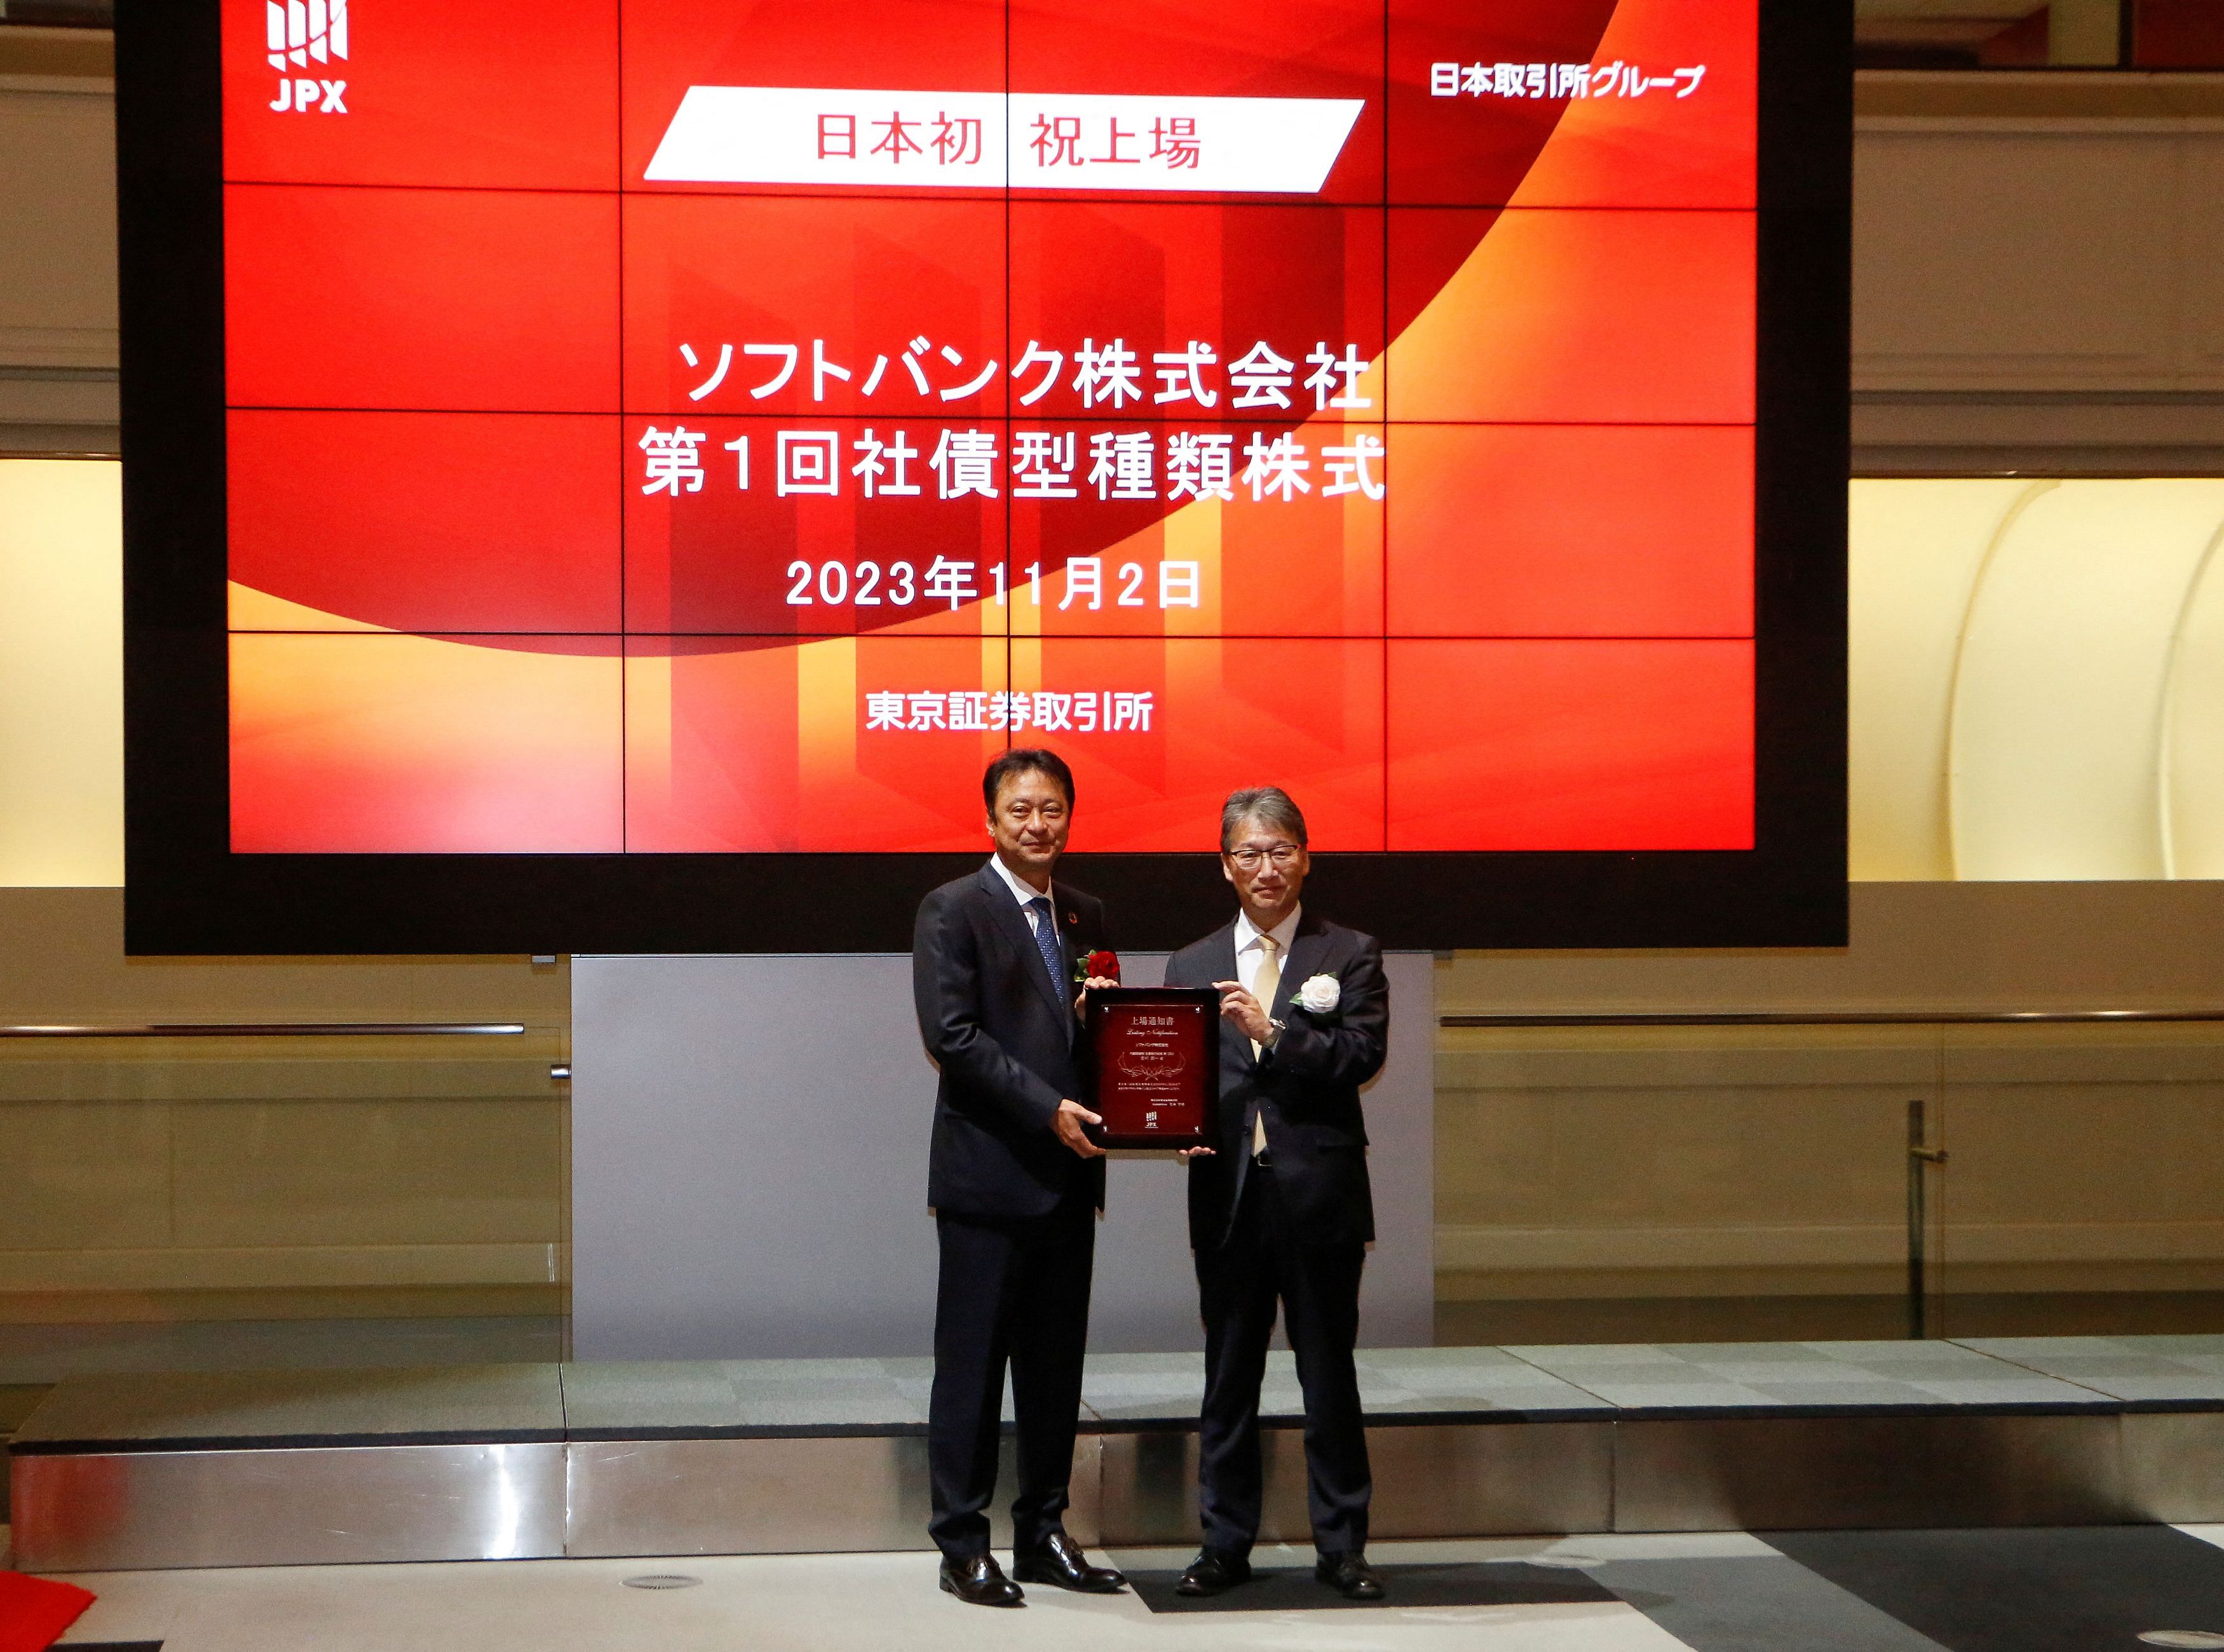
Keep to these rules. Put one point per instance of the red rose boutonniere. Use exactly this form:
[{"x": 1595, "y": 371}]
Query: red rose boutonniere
[{"x": 1104, "y": 964}]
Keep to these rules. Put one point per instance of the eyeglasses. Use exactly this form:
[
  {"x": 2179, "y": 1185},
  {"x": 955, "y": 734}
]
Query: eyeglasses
[{"x": 1284, "y": 855}]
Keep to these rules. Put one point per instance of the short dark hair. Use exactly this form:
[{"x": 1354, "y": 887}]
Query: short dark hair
[
  {"x": 1024, "y": 759},
  {"x": 1268, "y": 804}
]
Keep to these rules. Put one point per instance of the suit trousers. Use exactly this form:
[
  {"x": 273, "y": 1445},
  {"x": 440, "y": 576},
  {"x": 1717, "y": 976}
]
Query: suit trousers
[
  {"x": 1238, "y": 1285},
  {"x": 1017, "y": 1292}
]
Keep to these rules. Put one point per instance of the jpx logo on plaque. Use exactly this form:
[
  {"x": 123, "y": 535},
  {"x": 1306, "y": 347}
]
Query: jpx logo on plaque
[{"x": 300, "y": 34}]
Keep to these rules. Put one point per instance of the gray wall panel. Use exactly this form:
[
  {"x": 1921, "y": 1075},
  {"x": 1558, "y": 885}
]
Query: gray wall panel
[
  {"x": 748, "y": 1169},
  {"x": 748, "y": 1159}
]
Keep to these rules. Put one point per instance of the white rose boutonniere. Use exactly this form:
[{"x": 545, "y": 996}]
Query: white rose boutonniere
[{"x": 1320, "y": 994}]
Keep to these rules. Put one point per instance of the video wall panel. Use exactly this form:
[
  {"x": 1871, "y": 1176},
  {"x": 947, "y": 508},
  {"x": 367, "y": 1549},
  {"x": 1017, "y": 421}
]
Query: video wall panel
[{"x": 703, "y": 429}]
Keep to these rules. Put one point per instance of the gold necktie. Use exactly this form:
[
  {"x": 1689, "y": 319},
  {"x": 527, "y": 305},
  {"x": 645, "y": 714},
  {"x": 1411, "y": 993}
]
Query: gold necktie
[{"x": 1263, "y": 985}]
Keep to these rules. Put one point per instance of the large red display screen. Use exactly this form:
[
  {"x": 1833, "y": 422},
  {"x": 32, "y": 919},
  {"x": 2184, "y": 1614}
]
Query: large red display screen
[{"x": 711, "y": 427}]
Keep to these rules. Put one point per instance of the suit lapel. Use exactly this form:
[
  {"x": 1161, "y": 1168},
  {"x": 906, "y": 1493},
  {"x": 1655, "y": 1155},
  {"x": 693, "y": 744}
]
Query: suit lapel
[
  {"x": 1234, "y": 1047},
  {"x": 1013, "y": 923},
  {"x": 1223, "y": 962},
  {"x": 1236, "y": 1058},
  {"x": 1069, "y": 925}
]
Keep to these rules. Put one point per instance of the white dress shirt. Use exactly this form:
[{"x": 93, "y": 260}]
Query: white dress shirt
[
  {"x": 1023, "y": 892},
  {"x": 1249, "y": 955}
]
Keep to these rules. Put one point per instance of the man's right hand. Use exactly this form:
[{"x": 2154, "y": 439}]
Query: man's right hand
[
  {"x": 1081, "y": 998},
  {"x": 1067, "y": 1121}
]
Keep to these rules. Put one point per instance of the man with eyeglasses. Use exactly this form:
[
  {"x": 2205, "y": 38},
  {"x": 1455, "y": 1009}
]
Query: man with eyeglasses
[
  {"x": 1279, "y": 1210},
  {"x": 1014, "y": 1181}
]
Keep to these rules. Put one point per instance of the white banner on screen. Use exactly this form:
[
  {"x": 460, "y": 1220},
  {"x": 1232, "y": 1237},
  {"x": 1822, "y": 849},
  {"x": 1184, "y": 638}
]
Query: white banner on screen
[{"x": 838, "y": 137}]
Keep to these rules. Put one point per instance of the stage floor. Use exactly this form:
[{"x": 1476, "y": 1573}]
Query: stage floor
[
  {"x": 423, "y": 1404},
  {"x": 1982, "y": 1591}
]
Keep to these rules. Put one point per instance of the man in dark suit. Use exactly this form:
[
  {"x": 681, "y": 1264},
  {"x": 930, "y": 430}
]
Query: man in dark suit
[
  {"x": 1014, "y": 1181},
  {"x": 1280, "y": 1210}
]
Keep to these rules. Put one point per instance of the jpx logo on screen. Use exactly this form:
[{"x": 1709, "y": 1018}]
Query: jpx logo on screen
[{"x": 300, "y": 33}]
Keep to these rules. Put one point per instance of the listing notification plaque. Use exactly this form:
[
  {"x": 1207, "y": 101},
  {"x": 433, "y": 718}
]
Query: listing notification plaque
[{"x": 1157, "y": 1064}]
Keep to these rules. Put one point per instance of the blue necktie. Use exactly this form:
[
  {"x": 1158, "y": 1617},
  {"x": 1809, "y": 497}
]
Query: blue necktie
[{"x": 1045, "y": 928}]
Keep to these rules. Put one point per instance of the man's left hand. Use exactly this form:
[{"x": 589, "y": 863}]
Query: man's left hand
[
  {"x": 1082, "y": 997},
  {"x": 1237, "y": 1006}
]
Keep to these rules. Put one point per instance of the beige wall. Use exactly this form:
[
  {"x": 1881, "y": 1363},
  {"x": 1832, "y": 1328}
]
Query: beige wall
[
  {"x": 2023, "y": 233},
  {"x": 233, "y": 1179},
  {"x": 61, "y": 959},
  {"x": 203, "y": 1179},
  {"x": 58, "y": 318},
  {"x": 57, "y": 200},
  {"x": 61, "y": 671},
  {"x": 237, "y": 1178},
  {"x": 1671, "y": 1162},
  {"x": 2037, "y": 678},
  {"x": 1713, "y": 1161},
  {"x": 1990, "y": 946},
  {"x": 1692, "y": 1161},
  {"x": 1916, "y": 547}
]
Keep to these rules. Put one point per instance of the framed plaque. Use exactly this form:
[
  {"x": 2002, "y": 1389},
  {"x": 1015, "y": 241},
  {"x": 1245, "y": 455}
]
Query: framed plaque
[{"x": 1157, "y": 1064}]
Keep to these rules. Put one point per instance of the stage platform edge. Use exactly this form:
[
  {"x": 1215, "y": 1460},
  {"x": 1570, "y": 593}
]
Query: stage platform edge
[{"x": 534, "y": 1462}]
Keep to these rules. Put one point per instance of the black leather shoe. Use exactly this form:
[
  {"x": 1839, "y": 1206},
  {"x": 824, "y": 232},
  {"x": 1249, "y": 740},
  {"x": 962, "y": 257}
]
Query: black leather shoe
[
  {"x": 1214, "y": 1572},
  {"x": 1058, "y": 1559},
  {"x": 1349, "y": 1575},
  {"x": 979, "y": 1581}
]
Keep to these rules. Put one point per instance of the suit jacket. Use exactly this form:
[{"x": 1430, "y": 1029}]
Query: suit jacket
[
  {"x": 1306, "y": 1086},
  {"x": 1008, "y": 1044}
]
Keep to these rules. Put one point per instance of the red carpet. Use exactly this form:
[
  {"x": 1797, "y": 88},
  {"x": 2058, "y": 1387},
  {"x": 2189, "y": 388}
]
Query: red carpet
[{"x": 34, "y": 1611}]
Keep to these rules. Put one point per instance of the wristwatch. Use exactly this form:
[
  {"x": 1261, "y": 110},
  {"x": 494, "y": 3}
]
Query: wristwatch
[{"x": 1274, "y": 1031}]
